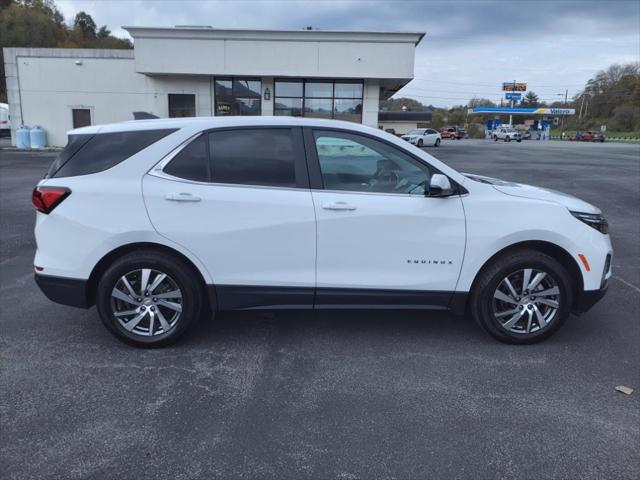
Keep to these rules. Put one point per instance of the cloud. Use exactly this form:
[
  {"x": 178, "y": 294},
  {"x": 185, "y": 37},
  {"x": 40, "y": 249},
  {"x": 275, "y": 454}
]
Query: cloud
[{"x": 471, "y": 47}]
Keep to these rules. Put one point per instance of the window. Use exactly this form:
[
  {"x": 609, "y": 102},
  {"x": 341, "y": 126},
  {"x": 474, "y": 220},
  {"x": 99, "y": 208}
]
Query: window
[
  {"x": 81, "y": 117},
  {"x": 361, "y": 164},
  {"x": 182, "y": 105},
  {"x": 85, "y": 154},
  {"x": 341, "y": 100},
  {"x": 238, "y": 96},
  {"x": 192, "y": 162},
  {"x": 253, "y": 157}
]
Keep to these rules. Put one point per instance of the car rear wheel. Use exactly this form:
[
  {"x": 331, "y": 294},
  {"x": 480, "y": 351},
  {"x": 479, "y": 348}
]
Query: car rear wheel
[
  {"x": 523, "y": 297},
  {"x": 495, "y": 138},
  {"x": 148, "y": 298},
  {"x": 437, "y": 144},
  {"x": 507, "y": 138}
]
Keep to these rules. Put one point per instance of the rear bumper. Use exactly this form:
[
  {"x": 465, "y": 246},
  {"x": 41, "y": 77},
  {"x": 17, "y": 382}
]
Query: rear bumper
[
  {"x": 63, "y": 290},
  {"x": 588, "y": 298}
]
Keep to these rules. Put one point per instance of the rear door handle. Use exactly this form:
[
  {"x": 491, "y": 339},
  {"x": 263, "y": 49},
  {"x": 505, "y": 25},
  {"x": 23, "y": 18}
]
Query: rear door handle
[
  {"x": 182, "y": 197},
  {"x": 338, "y": 206}
]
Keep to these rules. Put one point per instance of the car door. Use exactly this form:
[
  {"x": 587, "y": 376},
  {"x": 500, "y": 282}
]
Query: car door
[
  {"x": 380, "y": 239},
  {"x": 430, "y": 136},
  {"x": 239, "y": 200}
]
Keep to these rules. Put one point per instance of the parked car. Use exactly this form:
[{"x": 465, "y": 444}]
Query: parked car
[
  {"x": 507, "y": 134},
  {"x": 453, "y": 133},
  {"x": 588, "y": 136},
  {"x": 158, "y": 222},
  {"x": 5, "y": 126},
  {"x": 524, "y": 131},
  {"x": 423, "y": 136}
]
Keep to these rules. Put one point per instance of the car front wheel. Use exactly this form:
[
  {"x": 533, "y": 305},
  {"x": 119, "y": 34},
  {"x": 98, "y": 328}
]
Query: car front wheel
[
  {"x": 420, "y": 143},
  {"x": 523, "y": 297},
  {"x": 495, "y": 138},
  {"x": 148, "y": 298}
]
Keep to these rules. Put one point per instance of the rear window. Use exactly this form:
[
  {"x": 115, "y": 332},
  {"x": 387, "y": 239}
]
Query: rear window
[
  {"x": 86, "y": 154},
  {"x": 253, "y": 157}
]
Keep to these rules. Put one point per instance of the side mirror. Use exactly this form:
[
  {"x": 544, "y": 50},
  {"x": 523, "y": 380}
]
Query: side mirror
[{"x": 440, "y": 186}]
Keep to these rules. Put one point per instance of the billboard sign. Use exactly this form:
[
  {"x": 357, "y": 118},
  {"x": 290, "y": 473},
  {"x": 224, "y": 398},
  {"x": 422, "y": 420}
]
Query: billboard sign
[
  {"x": 513, "y": 96},
  {"x": 514, "y": 87}
]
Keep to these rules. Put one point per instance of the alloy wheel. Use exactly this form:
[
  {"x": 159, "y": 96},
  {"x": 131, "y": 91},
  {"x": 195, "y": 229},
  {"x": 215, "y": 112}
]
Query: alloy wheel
[
  {"x": 146, "y": 302},
  {"x": 526, "y": 301}
]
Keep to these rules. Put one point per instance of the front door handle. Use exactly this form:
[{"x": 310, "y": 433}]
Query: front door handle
[
  {"x": 182, "y": 197},
  {"x": 338, "y": 206}
]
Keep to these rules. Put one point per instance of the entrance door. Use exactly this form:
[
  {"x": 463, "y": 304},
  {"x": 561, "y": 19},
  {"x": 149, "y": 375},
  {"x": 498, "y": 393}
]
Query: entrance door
[{"x": 380, "y": 239}]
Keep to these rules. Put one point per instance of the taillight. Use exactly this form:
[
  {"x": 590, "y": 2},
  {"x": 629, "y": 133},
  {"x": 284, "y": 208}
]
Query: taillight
[{"x": 45, "y": 199}]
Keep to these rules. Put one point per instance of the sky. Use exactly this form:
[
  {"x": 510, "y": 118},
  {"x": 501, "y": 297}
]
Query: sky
[{"x": 470, "y": 47}]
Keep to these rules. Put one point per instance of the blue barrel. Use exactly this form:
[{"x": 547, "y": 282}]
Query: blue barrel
[
  {"x": 38, "y": 137},
  {"x": 23, "y": 139}
]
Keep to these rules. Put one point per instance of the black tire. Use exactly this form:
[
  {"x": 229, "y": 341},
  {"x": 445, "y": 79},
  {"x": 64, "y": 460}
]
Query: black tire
[
  {"x": 482, "y": 296},
  {"x": 437, "y": 144},
  {"x": 519, "y": 140},
  {"x": 192, "y": 304},
  {"x": 507, "y": 138},
  {"x": 420, "y": 143},
  {"x": 495, "y": 138}
]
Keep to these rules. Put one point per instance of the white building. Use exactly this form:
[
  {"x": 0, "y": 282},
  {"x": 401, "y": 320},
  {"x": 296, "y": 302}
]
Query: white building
[{"x": 201, "y": 71}]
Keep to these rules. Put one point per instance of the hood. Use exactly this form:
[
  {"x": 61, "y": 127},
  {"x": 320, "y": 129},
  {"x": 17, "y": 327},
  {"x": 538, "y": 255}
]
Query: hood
[{"x": 537, "y": 193}]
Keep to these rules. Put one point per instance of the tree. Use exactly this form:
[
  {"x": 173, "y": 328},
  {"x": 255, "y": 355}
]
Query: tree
[
  {"x": 531, "y": 99},
  {"x": 481, "y": 102},
  {"x": 85, "y": 24},
  {"x": 396, "y": 104},
  {"x": 104, "y": 32}
]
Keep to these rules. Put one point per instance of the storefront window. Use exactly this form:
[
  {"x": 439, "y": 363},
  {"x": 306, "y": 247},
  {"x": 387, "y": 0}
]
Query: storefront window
[
  {"x": 237, "y": 96},
  {"x": 341, "y": 100}
]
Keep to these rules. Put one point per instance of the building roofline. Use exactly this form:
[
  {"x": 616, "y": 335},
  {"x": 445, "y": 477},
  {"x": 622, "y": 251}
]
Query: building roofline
[{"x": 209, "y": 33}]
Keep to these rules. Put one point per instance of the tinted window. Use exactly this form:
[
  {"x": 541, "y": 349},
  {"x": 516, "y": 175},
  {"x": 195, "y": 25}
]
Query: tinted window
[
  {"x": 361, "y": 164},
  {"x": 182, "y": 105},
  {"x": 253, "y": 157},
  {"x": 74, "y": 144},
  {"x": 192, "y": 162},
  {"x": 103, "y": 151}
]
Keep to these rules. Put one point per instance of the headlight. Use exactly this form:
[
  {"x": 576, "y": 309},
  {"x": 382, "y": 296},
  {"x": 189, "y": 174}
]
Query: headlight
[{"x": 595, "y": 220}]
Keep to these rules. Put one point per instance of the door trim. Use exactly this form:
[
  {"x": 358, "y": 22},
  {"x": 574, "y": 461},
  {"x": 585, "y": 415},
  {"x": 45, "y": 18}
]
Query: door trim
[{"x": 257, "y": 297}]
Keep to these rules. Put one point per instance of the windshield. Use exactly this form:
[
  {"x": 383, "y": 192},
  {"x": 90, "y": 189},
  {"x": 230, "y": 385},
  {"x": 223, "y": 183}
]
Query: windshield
[{"x": 417, "y": 131}]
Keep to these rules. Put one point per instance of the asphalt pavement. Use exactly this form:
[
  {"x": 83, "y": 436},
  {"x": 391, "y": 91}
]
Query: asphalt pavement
[{"x": 336, "y": 395}]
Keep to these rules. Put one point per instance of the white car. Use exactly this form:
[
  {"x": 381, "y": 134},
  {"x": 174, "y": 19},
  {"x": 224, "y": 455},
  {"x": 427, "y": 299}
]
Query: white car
[
  {"x": 507, "y": 134},
  {"x": 5, "y": 125},
  {"x": 159, "y": 221},
  {"x": 422, "y": 137}
]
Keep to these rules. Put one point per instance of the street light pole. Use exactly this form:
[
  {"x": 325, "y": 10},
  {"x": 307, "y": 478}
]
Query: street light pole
[
  {"x": 512, "y": 91},
  {"x": 566, "y": 94}
]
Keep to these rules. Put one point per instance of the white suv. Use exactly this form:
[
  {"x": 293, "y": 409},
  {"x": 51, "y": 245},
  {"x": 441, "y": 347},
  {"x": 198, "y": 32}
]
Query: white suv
[
  {"x": 507, "y": 134},
  {"x": 160, "y": 221}
]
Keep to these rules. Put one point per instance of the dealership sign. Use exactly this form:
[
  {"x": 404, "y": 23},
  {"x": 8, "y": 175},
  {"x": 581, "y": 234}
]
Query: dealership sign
[
  {"x": 513, "y": 96},
  {"x": 514, "y": 87}
]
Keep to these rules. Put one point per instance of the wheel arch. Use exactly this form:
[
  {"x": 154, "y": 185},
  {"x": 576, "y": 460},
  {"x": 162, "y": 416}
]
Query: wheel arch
[
  {"x": 555, "y": 251},
  {"x": 122, "y": 250}
]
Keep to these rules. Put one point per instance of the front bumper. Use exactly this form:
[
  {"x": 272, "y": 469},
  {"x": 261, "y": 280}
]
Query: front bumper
[
  {"x": 588, "y": 298},
  {"x": 63, "y": 290}
]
